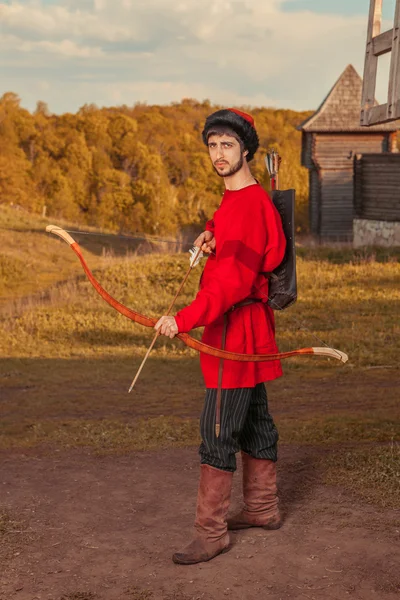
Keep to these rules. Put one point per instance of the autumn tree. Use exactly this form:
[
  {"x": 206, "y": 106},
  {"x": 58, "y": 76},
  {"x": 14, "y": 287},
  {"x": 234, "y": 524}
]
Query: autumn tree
[{"x": 140, "y": 168}]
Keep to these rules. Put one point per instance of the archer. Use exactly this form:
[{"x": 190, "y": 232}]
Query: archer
[{"x": 244, "y": 240}]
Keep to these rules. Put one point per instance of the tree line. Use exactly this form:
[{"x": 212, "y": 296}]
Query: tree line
[{"x": 130, "y": 169}]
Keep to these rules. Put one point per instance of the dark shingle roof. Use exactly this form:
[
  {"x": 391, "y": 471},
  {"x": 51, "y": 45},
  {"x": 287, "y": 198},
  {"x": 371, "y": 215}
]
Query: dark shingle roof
[{"x": 340, "y": 110}]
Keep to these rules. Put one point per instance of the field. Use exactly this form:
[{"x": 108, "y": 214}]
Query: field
[{"x": 82, "y": 457}]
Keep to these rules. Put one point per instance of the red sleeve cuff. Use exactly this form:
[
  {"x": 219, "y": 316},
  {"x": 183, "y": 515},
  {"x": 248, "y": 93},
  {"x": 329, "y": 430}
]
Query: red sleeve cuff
[
  {"x": 210, "y": 225},
  {"x": 180, "y": 323}
]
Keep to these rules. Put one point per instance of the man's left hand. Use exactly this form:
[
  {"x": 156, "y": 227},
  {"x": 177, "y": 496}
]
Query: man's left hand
[{"x": 167, "y": 326}]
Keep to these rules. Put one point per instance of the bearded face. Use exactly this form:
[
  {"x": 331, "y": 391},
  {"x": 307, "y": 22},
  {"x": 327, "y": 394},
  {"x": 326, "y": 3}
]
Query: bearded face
[{"x": 226, "y": 154}]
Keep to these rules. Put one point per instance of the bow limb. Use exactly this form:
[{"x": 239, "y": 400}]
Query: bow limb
[
  {"x": 226, "y": 355},
  {"x": 185, "y": 337}
]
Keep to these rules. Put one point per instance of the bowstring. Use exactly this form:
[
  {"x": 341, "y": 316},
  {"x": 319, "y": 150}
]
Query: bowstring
[{"x": 132, "y": 237}]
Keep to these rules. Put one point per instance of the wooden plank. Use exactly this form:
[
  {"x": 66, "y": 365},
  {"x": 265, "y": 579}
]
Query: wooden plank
[
  {"x": 375, "y": 17},
  {"x": 337, "y": 151},
  {"x": 357, "y": 191},
  {"x": 314, "y": 204},
  {"x": 386, "y": 158},
  {"x": 384, "y": 171},
  {"x": 306, "y": 149},
  {"x": 387, "y": 202},
  {"x": 377, "y": 114},
  {"x": 377, "y": 216},
  {"x": 371, "y": 61},
  {"x": 394, "y": 75},
  {"x": 382, "y": 43},
  {"x": 396, "y": 110},
  {"x": 336, "y": 204},
  {"x": 383, "y": 167},
  {"x": 384, "y": 208}
]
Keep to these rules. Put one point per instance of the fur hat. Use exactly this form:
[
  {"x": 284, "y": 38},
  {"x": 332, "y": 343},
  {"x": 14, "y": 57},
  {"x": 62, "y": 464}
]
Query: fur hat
[{"x": 241, "y": 123}]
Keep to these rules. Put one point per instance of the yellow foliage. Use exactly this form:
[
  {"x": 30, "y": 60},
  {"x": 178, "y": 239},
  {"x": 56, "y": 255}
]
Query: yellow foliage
[{"x": 143, "y": 168}]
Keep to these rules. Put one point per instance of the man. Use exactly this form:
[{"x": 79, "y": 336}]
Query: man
[{"x": 244, "y": 241}]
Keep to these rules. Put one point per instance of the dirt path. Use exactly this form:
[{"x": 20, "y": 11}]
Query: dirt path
[{"x": 105, "y": 528}]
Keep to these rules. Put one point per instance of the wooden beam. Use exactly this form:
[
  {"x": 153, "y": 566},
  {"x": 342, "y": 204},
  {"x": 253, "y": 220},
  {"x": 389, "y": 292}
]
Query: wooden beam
[
  {"x": 382, "y": 43},
  {"x": 377, "y": 114},
  {"x": 396, "y": 111},
  {"x": 375, "y": 18},
  {"x": 394, "y": 74},
  {"x": 371, "y": 61}
]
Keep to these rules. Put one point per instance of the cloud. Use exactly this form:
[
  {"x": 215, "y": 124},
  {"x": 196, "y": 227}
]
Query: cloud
[
  {"x": 65, "y": 48},
  {"x": 168, "y": 91},
  {"x": 230, "y": 51}
]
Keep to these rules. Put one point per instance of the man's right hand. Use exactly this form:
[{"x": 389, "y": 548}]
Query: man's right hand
[{"x": 205, "y": 241}]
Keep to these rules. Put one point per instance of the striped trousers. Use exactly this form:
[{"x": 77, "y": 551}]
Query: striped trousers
[{"x": 245, "y": 425}]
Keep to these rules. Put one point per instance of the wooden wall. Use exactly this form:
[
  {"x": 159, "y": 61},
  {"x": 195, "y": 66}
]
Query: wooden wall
[
  {"x": 336, "y": 205},
  {"x": 336, "y": 151},
  {"x": 314, "y": 200},
  {"x": 330, "y": 158},
  {"x": 377, "y": 187}
]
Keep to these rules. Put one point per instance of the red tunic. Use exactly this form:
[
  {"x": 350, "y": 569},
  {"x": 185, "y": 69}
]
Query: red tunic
[{"x": 249, "y": 240}]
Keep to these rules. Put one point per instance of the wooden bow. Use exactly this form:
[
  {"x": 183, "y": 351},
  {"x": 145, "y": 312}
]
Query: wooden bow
[{"x": 185, "y": 337}]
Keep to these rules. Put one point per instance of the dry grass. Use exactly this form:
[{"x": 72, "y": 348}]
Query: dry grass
[
  {"x": 8, "y": 523},
  {"x": 68, "y": 358},
  {"x": 109, "y": 436},
  {"x": 337, "y": 429},
  {"x": 137, "y": 594},
  {"x": 4, "y": 522},
  {"x": 105, "y": 436},
  {"x": 33, "y": 261},
  {"x": 79, "y": 596},
  {"x": 372, "y": 472},
  {"x": 359, "y": 317}
]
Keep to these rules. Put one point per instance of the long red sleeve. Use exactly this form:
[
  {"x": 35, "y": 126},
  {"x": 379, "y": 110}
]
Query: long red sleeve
[{"x": 249, "y": 240}]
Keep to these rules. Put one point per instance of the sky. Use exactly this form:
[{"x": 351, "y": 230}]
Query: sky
[{"x": 275, "y": 53}]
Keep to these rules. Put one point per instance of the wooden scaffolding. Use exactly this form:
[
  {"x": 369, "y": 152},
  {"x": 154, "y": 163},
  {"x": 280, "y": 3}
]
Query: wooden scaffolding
[{"x": 379, "y": 43}]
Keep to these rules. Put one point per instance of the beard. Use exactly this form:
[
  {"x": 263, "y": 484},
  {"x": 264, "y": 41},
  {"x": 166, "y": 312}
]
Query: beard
[{"x": 234, "y": 169}]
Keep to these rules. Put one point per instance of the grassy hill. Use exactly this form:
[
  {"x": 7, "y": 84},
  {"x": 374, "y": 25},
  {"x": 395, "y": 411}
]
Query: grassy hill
[
  {"x": 342, "y": 292},
  {"x": 33, "y": 261}
]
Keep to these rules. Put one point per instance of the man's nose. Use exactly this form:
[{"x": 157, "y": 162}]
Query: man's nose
[{"x": 220, "y": 152}]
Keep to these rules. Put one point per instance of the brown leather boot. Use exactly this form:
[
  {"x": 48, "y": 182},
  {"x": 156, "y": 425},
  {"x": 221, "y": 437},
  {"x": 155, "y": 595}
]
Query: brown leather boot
[
  {"x": 260, "y": 496},
  {"x": 211, "y": 537}
]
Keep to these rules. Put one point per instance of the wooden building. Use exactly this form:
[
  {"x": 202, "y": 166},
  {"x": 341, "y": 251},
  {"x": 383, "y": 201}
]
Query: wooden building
[{"x": 331, "y": 138}]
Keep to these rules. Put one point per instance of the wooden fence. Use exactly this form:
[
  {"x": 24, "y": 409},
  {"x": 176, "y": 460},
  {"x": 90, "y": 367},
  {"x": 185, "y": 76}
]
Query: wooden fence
[{"x": 377, "y": 186}]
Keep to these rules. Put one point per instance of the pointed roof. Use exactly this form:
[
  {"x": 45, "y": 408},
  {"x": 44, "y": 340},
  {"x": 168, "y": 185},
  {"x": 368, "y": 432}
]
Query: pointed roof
[{"x": 340, "y": 110}]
